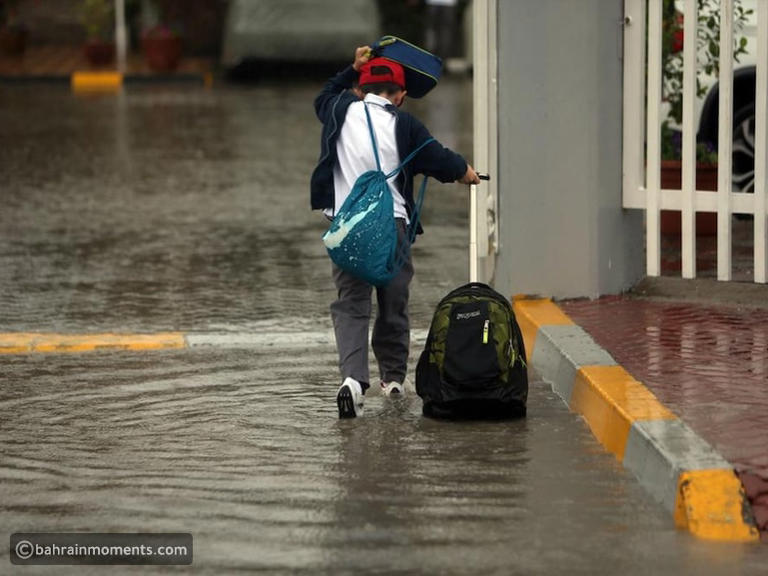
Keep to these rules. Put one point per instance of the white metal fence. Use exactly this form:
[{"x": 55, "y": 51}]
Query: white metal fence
[{"x": 642, "y": 132}]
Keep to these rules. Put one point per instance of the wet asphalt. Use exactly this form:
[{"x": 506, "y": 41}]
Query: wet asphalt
[{"x": 188, "y": 209}]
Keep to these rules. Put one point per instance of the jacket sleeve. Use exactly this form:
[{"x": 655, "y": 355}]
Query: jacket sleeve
[
  {"x": 333, "y": 87},
  {"x": 435, "y": 160}
]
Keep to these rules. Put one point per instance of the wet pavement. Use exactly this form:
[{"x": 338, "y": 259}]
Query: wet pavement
[
  {"x": 187, "y": 209},
  {"x": 243, "y": 449}
]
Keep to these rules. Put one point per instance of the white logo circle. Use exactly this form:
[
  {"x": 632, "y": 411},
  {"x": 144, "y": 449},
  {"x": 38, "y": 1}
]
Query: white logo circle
[{"x": 24, "y": 549}]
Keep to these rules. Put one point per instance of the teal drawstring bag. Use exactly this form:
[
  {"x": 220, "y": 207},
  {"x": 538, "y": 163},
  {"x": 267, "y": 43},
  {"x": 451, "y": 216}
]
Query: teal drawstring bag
[{"x": 362, "y": 238}]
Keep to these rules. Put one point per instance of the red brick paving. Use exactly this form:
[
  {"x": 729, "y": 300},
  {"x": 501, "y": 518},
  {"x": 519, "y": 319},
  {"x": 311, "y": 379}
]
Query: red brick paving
[{"x": 708, "y": 363}]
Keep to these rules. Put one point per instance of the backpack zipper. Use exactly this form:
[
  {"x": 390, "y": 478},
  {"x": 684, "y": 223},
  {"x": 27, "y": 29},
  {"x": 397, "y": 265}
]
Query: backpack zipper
[{"x": 485, "y": 331}]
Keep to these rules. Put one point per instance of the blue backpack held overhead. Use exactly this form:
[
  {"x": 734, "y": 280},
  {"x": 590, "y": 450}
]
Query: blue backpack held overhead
[{"x": 362, "y": 238}]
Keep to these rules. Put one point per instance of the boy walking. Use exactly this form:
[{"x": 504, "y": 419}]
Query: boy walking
[{"x": 346, "y": 153}]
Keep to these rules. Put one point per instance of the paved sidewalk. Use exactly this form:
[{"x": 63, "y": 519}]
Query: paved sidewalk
[{"x": 702, "y": 348}]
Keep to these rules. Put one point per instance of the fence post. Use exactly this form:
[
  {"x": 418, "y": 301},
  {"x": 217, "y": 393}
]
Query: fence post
[
  {"x": 484, "y": 200},
  {"x": 653, "y": 167},
  {"x": 761, "y": 142},
  {"x": 688, "y": 235},
  {"x": 725, "y": 142}
]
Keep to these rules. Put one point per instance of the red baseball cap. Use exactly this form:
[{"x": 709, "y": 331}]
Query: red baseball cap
[{"x": 379, "y": 70}]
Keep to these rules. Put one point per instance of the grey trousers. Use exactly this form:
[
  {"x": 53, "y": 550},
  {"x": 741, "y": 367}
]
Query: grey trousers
[{"x": 351, "y": 314}]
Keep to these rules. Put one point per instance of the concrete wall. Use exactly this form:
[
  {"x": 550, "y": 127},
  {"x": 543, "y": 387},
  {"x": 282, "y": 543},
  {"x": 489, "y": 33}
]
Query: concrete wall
[{"x": 563, "y": 232}]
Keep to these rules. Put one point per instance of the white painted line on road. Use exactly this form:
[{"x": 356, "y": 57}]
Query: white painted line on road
[{"x": 271, "y": 339}]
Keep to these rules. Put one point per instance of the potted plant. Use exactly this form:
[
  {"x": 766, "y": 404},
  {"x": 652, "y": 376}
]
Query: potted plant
[
  {"x": 162, "y": 48},
  {"x": 97, "y": 18},
  {"x": 162, "y": 43},
  {"x": 13, "y": 32},
  {"x": 708, "y": 50}
]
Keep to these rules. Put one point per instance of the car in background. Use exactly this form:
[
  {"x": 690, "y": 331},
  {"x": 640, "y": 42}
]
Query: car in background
[
  {"x": 297, "y": 31},
  {"x": 744, "y": 74}
]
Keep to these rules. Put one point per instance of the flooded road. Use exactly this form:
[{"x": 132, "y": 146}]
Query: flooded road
[
  {"x": 188, "y": 209},
  {"x": 184, "y": 209}
]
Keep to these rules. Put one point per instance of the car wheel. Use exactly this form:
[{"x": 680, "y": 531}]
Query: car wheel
[{"x": 743, "y": 178}]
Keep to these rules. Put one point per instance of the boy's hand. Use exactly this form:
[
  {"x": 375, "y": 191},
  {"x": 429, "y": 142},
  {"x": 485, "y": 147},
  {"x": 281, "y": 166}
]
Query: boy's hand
[
  {"x": 470, "y": 176},
  {"x": 362, "y": 55}
]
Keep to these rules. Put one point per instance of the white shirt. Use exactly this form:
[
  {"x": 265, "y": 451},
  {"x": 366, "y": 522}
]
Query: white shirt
[{"x": 354, "y": 150}]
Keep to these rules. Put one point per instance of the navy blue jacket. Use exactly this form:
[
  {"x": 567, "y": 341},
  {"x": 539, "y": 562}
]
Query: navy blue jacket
[{"x": 331, "y": 108}]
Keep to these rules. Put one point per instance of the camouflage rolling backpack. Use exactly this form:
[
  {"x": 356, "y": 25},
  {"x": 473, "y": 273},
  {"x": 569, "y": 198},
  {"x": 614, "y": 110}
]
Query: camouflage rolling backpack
[{"x": 473, "y": 364}]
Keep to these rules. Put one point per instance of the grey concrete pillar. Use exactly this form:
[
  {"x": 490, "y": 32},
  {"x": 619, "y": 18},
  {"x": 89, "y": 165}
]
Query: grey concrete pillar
[{"x": 563, "y": 231}]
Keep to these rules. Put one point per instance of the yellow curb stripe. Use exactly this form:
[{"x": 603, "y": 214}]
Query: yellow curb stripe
[
  {"x": 24, "y": 343},
  {"x": 532, "y": 314},
  {"x": 610, "y": 400},
  {"x": 711, "y": 504},
  {"x": 18, "y": 343},
  {"x": 96, "y": 81}
]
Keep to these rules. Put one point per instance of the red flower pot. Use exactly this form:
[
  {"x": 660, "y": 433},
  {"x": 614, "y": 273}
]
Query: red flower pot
[
  {"x": 13, "y": 41},
  {"x": 99, "y": 53},
  {"x": 162, "y": 51}
]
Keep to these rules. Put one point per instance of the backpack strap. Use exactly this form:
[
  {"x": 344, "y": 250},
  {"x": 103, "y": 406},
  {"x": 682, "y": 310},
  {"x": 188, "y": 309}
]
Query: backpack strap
[
  {"x": 402, "y": 254},
  {"x": 373, "y": 137},
  {"x": 407, "y": 159},
  {"x": 410, "y": 157}
]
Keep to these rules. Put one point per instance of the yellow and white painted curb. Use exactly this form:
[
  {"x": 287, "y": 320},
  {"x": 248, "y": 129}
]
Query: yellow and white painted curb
[{"x": 682, "y": 471}]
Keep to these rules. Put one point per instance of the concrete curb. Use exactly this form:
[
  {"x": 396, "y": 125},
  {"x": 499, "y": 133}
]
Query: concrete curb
[{"x": 697, "y": 485}]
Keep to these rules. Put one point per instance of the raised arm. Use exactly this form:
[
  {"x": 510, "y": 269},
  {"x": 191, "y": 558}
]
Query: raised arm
[{"x": 342, "y": 81}]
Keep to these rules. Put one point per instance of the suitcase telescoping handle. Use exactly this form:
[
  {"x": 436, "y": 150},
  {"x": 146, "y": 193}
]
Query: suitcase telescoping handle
[{"x": 473, "y": 227}]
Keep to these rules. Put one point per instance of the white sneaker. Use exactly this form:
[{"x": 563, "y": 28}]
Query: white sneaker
[
  {"x": 392, "y": 388},
  {"x": 350, "y": 399}
]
